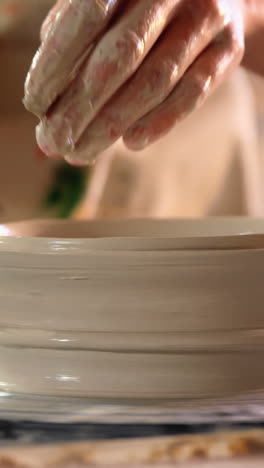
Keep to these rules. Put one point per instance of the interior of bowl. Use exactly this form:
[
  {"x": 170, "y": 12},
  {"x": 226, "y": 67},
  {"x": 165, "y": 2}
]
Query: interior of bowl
[{"x": 136, "y": 228}]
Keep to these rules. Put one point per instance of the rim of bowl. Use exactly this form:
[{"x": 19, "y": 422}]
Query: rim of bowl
[{"x": 133, "y": 234}]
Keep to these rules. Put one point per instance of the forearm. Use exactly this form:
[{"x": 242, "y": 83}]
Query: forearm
[{"x": 254, "y": 19}]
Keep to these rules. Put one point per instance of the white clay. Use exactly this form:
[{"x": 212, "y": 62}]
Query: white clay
[{"x": 136, "y": 309}]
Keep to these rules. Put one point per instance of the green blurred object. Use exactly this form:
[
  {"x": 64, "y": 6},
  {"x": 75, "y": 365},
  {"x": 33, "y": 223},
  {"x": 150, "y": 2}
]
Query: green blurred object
[{"x": 67, "y": 190}]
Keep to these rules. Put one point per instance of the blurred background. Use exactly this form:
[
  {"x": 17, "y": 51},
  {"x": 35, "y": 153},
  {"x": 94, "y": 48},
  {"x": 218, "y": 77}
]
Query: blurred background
[{"x": 211, "y": 164}]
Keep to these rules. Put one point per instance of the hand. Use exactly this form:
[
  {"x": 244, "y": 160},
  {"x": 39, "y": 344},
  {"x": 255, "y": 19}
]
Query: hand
[{"x": 112, "y": 68}]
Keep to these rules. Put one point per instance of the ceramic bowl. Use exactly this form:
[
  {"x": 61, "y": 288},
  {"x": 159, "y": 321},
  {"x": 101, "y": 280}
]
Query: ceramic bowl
[{"x": 134, "y": 310}]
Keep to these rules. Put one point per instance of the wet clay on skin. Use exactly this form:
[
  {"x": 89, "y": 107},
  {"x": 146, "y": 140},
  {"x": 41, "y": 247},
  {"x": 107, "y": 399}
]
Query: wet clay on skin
[{"x": 135, "y": 77}]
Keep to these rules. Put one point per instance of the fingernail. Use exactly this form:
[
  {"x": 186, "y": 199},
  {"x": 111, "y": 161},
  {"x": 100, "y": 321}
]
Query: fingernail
[
  {"x": 45, "y": 145},
  {"x": 137, "y": 139},
  {"x": 76, "y": 163},
  {"x": 80, "y": 162},
  {"x": 49, "y": 154}
]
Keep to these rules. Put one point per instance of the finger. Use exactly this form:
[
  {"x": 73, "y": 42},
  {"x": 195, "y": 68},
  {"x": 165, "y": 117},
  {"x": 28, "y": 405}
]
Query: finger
[
  {"x": 51, "y": 17},
  {"x": 154, "y": 81},
  {"x": 209, "y": 70},
  {"x": 77, "y": 24},
  {"x": 114, "y": 60}
]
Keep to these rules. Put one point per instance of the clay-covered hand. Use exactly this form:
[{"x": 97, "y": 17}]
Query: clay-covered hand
[{"x": 127, "y": 68}]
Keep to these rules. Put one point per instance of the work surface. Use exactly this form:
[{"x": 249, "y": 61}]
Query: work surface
[{"x": 138, "y": 446}]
